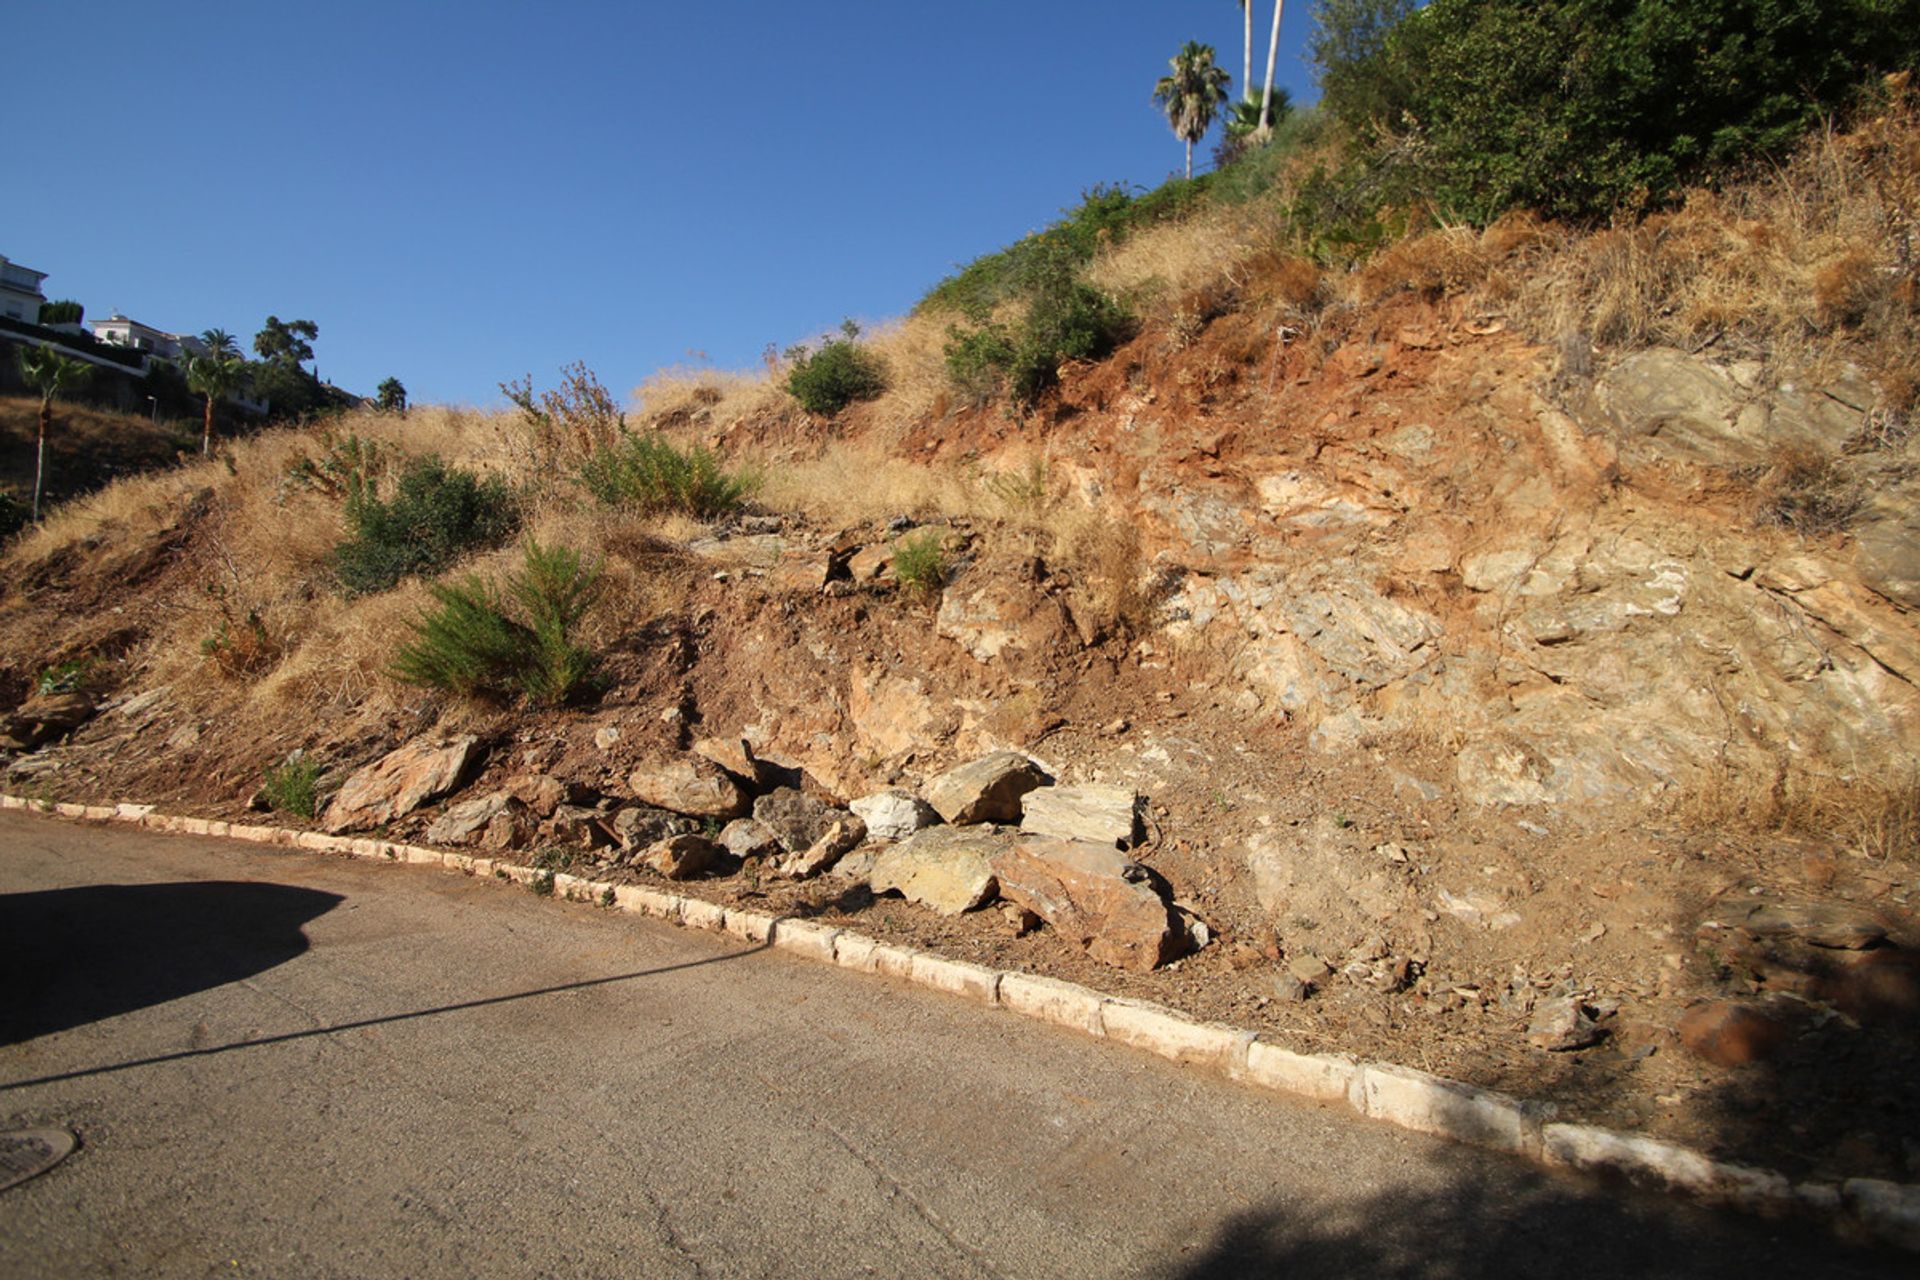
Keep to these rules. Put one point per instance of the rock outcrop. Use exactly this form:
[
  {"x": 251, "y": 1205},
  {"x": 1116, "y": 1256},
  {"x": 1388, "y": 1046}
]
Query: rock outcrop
[{"x": 400, "y": 782}]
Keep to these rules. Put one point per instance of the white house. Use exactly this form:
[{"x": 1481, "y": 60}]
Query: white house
[
  {"x": 122, "y": 332},
  {"x": 20, "y": 295}
]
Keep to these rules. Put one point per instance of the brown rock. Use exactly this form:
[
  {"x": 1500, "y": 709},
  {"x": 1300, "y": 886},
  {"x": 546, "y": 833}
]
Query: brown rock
[
  {"x": 681, "y": 857},
  {"x": 691, "y": 785},
  {"x": 1874, "y": 985},
  {"x": 1834, "y": 925},
  {"x": 734, "y": 755},
  {"x": 542, "y": 793},
  {"x": 1092, "y": 894},
  {"x": 986, "y": 790},
  {"x": 1730, "y": 1034},
  {"x": 463, "y": 823},
  {"x": 1563, "y": 1025},
  {"x": 400, "y": 782},
  {"x": 1100, "y": 814}
]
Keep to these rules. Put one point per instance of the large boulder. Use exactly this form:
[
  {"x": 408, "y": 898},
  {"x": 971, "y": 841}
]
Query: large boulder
[
  {"x": 1099, "y": 814},
  {"x": 949, "y": 869},
  {"x": 748, "y": 838},
  {"x": 682, "y": 857},
  {"x": 638, "y": 825},
  {"x": 1092, "y": 894},
  {"x": 400, "y": 782},
  {"x": 692, "y": 785},
  {"x": 986, "y": 790},
  {"x": 894, "y": 815},
  {"x": 494, "y": 819}
]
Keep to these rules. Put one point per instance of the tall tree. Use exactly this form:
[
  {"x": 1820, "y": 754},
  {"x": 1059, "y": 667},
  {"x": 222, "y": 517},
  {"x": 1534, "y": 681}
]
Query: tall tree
[
  {"x": 215, "y": 377},
  {"x": 49, "y": 373},
  {"x": 287, "y": 342},
  {"x": 392, "y": 396},
  {"x": 1273, "y": 50},
  {"x": 220, "y": 342},
  {"x": 1191, "y": 94}
]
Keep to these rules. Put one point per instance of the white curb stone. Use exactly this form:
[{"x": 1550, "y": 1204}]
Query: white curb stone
[
  {"x": 128, "y": 812},
  {"x": 749, "y": 926},
  {"x": 647, "y": 902},
  {"x": 1890, "y": 1210},
  {"x": 1064, "y": 1004},
  {"x": 66, "y": 810},
  {"x": 698, "y": 913},
  {"x": 100, "y": 813},
  {"x": 892, "y": 962},
  {"x": 1429, "y": 1104},
  {"x": 1590, "y": 1147},
  {"x": 805, "y": 938},
  {"x": 1324, "y": 1078},
  {"x": 854, "y": 951},
  {"x": 1164, "y": 1032},
  {"x": 414, "y": 854},
  {"x": 956, "y": 977}
]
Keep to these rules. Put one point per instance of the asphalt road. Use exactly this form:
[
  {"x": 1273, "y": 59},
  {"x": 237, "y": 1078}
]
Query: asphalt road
[{"x": 281, "y": 1064}]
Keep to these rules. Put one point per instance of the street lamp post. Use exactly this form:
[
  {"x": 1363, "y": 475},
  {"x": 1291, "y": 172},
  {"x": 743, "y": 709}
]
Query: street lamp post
[{"x": 155, "y": 402}]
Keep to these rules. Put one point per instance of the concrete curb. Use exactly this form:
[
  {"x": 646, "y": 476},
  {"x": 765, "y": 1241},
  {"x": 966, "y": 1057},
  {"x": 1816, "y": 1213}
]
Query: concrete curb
[{"x": 1860, "y": 1208}]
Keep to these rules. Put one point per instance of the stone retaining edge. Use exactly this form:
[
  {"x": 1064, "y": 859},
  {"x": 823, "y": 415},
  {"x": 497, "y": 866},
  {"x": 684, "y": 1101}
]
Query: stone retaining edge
[{"x": 1860, "y": 1208}]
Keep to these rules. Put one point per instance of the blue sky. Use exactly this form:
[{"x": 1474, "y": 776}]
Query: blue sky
[{"x": 462, "y": 193}]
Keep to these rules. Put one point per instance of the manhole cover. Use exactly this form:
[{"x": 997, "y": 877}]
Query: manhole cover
[{"x": 25, "y": 1152}]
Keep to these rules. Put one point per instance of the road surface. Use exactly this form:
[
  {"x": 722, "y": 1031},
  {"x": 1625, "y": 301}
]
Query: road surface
[{"x": 281, "y": 1064}]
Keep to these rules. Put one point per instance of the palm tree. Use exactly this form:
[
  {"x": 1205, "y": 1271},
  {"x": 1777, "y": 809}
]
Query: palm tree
[
  {"x": 1191, "y": 94},
  {"x": 220, "y": 342},
  {"x": 214, "y": 376},
  {"x": 1273, "y": 48},
  {"x": 48, "y": 372},
  {"x": 1246, "y": 51}
]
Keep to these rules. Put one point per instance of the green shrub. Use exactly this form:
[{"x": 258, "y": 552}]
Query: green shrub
[
  {"x": 978, "y": 360},
  {"x": 836, "y": 375},
  {"x": 650, "y": 474},
  {"x": 70, "y": 676},
  {"x": 920, "y": 564},
  {"x": 293, "y": 786},
  {"x": 437, "y": 514},
  {"x": 474, "y": 643}
]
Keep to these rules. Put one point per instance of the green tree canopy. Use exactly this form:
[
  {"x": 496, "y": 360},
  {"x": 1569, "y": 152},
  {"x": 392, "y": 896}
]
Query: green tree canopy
[
  {"x": 64, "y": 311},
  {"x": 392, "y": 396},
  {"x": 215, "y": 377},
  {"x": 288, "y": 342},
  {"x": 49, "y": 373},
  {"x": 1191, "y": 94}
]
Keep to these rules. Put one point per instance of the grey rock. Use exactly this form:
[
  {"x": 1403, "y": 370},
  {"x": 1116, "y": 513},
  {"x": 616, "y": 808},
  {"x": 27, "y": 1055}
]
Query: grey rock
[
  {"x": 638, "y": 825},
  {"x": 946, "y": 868},
  {"x": 989, "y": 789},
  {"x": 894, "y": 815},
  {"x": 464, "y": 822},
  {"x": 748, "y": 838},
  {"x": 691, "y": 785},
  {"x": 839, "y": 838},
  {"x": 582, "y": 826},
  {"x": 1099, "y": 814},
  {"x": 856, "y": 868},
  {"x": 795, "y": 818}
]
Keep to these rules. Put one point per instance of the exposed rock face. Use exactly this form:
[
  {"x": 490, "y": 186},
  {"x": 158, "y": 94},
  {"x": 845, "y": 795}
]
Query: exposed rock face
[
  {"x": 400, "y": 782},
  {"x": 1100, "y": 814},
  {"x": 949, "y": 869},
  {"x": 840, "y": 837},
  {"x": 986, "y": 790},
  {"x": 44, "y": 718},
  {"x": 542, "y": 793},
  {"x": 999, "y": 606},
  {"x": 795, "y": 818},
  {"x": 681, "y": 857},
  {"x": 1092, "y": 894},
  {"x": 894, "y": 815},
  {"x": 691, "y": 785},
  {"x": 1323, "y": 888}
]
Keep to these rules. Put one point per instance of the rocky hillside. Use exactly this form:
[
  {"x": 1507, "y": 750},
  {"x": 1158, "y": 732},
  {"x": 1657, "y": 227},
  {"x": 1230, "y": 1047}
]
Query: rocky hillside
[{"x": 1405, "y": 667}]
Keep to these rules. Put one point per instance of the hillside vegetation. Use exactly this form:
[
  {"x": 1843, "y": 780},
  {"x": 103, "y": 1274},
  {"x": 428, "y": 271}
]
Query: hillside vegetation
[{"x": 1486, "y": 578}]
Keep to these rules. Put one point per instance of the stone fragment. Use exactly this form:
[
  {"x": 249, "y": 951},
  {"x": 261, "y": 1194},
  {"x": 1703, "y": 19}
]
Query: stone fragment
[
  {"x": 1093, "y": 895},
  {"x": 748, "y": 838},
  {"x": 1020, "y": 921},
  {"x": 1101, "y": 814},
  {"x": 1560, "y": 1026},
  {"x": 681, "y": 857},
  {"x": 638, "y": 825},
  {"x": 894, "y": 815},
  {"x": 606, "y": 736},
  {"x": 856, "y": 868},
  {"x": 1728, "y": 1033},
  {"x": 1309, "y": 969},
  {"x": 1289, "y": 989},
  {"x": 691, "y": 785},
  {"x": 1835, "y": 925},
  {"x": 582, "y": 827},
  {"x": 542, "y": 793},
  {"x": 946, "y": 868},
  {"x": 842, "y": 836},
  {"x": 795, "y": 818},
  {"x": 44, "y": 718},
  {"x": 986, "y": 790},
  {"x": 400, "y": 782},
  {"x": 461, "y": 823}
]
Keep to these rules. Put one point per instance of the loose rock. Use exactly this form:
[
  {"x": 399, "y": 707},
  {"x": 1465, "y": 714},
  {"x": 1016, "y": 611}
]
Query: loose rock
[
  {"x": 795, "y": 818},
  {"x": 463, "y": 822},
  {"x": 1092, "y": 894},
  {"x": 400, "y": 782},
  {"x": 986, "y": 790},
  {"x": 946, "y": 868},
  {"x": 839, "y": 838},
  {"x": 639, "y": 825},
  {"x": 1730, "y": 1034},
  {"x": 894, "y": 815},
  {"x": 691, "y": 785},
  {"x": 42, "y": 719},
  {"x": 1560, "y": 1026},
  {"x": 681, "y": 857},
  {"x": 748, "y": 838},
  {"x": 1100, "y": 814}
]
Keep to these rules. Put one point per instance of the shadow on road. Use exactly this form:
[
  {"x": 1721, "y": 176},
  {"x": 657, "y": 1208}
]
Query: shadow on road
[
  {"x": 1486, "y": 1223},
  {"x": 69, "y": 957}
]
